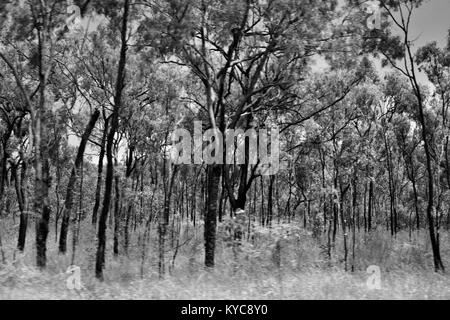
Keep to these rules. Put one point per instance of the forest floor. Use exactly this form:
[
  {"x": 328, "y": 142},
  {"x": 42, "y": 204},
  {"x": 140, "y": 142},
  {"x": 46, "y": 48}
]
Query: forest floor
[{"x": 305, "y": 273}]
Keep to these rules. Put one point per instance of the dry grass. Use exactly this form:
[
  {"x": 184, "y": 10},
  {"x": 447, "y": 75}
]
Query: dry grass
[
  {"x": 319, "y": 284},
  {"x": 306, "y": 272}
]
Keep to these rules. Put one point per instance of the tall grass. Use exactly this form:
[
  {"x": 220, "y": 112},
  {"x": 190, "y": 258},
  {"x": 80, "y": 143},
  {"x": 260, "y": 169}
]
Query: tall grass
[{"x": 297, "y": 268}]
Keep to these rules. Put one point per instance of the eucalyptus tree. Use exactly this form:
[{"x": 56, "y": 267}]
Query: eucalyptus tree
[
  {"x": 30, "y": 33},
  {"x": 245, "y": 55},
  {"x": 393, "y": 42},
  {"x": 435, "y": 62},
  {"x": 112, "y": 130}
]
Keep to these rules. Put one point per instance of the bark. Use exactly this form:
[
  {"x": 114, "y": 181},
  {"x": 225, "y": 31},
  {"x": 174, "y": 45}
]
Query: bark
[
  {"x": 42, "y": 205},
  {"x": 42, "y": 176},
  {"x": 20, "y": 186},
  {"x": 213, "y": 173}
]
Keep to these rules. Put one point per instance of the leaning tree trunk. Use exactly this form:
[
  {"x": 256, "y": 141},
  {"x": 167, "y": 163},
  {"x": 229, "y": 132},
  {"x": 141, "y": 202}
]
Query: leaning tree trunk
[{"x": 72, "y": 181}]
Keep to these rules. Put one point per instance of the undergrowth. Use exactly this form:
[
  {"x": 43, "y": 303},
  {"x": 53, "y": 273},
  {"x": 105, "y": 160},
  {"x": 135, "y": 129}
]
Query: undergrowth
[{"x": 277, "y": 263}]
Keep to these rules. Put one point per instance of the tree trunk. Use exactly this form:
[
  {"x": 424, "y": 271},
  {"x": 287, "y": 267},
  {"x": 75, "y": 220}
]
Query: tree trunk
[
  {"x": 68, "y": 204},
  {"x": 42, "y": 205},
  {"x": 98, "y": 188},
  {"x": 42, "y": 179},
  {"x": 100, "y": 259},
  {"x": 164, "y": 219},
  {"x": 20, "y": 186},
  {"x": 270, "y": 202},
  {"x": 370, "y": 209},
  {"x": 426, "y": 137},
  {"x": 344, "y": 223},
  {"x": 117, "y": 215},
  {"x": 213, "y": 173},
  {"x": 416, "y": 204}
]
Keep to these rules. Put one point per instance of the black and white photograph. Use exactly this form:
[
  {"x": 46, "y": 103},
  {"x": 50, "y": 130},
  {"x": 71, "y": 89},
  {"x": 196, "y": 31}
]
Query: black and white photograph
[{"x": 206, "y": 151}]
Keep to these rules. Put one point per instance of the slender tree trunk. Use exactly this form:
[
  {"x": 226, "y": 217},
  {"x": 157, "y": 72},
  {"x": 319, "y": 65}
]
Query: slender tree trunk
[
  {"x": 68, "y": 204},
  {"x": 353, "y": 196},
  {"x": 344, "y": 225},
  {"x": 164, "y": 219},
  {"x": 222, "y": 201},
  {"x": 270, "y": 202},
  {"x": 3, "y": 170},
  {"x": 263, "y": 219},
  {"x": 2, "y": 252},
  {"x": 335, "y": 209},
  {"x": 128, "y": 218},
  {"x": 100, "y": 259},
  {"x": 78, "y": 218},
  {"x": 117, "y": 215},
  {"x": 391, "y": 186},
  {"x": 416, "y": 204},
  {"x": 365, "y": 207},
  {"x": 98, "y": 188},
  {"x": 370, "y": 209},
  {"x": 438, "y": 265}
]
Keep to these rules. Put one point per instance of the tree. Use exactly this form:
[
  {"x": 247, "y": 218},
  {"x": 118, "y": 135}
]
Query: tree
[
  {"x": 404, "y": 50},
  {"x": 120, "y": 83}
]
